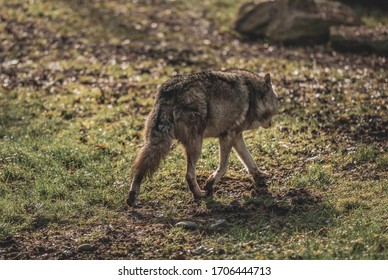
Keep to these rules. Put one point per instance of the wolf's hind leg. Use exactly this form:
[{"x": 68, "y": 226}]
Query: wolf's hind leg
[
  {"x": 225, "y": 148},
  {"x": 193, "y": 152},
  {"x": 134, "y": 190},
  {"x": 246, "y": 158}
]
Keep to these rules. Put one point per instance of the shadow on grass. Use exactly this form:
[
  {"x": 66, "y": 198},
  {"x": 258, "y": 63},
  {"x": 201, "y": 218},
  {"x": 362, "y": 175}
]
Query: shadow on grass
[
  {"x": 285, "y": 211},
  {"x": 292, "y": 209}
]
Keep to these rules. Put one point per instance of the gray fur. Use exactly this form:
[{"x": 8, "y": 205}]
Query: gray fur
[{"x": 219, "y": 104}]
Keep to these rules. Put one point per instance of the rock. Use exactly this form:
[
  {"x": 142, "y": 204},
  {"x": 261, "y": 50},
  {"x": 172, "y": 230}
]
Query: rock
[
  {"x": 254, "y": 18},
  {"x": 218, "y": 225},
  {"x": 221, "y": 240},
  {"x": 188, "y": 225},
  {"x": 86, "y": 248},
  {"x": 202, "y": 250},
  {"x": 294, "y": 21},
  {"x": 368, "y": 3},
  {"x": 360, "y": 39}
]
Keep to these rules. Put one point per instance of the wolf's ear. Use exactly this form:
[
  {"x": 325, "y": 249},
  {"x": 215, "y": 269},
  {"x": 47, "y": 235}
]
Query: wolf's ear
[{"x": 267, "y": 79}]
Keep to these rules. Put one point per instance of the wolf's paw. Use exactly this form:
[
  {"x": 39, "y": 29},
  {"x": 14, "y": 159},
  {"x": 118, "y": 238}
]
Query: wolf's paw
[
  {"x": 131, "y": 199},
  {"x": 261, "y": 177},
  {"x": 209, "y": 187},
  {"x": 200, "y": 194}
]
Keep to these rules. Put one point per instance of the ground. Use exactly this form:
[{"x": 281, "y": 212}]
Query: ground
[{"x": 77, "y": 80}]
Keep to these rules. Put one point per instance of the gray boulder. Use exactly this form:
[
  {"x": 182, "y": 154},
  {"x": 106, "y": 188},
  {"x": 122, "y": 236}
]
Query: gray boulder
[
  {"x": 360, "y": 39},
  {"x": 254, "y": 17},
  {"x": 293, "y": 21}
]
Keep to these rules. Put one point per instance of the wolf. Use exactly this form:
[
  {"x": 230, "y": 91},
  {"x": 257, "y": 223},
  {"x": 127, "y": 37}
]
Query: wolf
[{"x": 189, "y": 108}]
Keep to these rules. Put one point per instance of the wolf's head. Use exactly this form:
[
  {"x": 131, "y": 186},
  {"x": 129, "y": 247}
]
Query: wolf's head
[{"x": 270, "y": 105}]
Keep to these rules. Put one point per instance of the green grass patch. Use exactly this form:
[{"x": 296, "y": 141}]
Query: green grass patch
[{"x": 315, "y": 177}]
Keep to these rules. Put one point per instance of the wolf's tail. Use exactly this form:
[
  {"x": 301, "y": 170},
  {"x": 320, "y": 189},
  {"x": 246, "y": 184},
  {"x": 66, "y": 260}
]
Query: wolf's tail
[{"x": 158, "y": 139}]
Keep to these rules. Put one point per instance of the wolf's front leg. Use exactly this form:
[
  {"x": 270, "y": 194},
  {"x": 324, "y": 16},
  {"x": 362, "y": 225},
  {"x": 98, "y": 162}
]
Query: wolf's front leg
[
  {"x": 193, "y": 152},
  {"x": 225, "y": 148},
  {"x": 245, "y": 157}
]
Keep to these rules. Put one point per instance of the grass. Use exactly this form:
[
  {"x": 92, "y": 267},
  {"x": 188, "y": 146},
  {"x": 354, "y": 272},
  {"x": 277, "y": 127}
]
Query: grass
[{"x": 77, "y": 81}]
